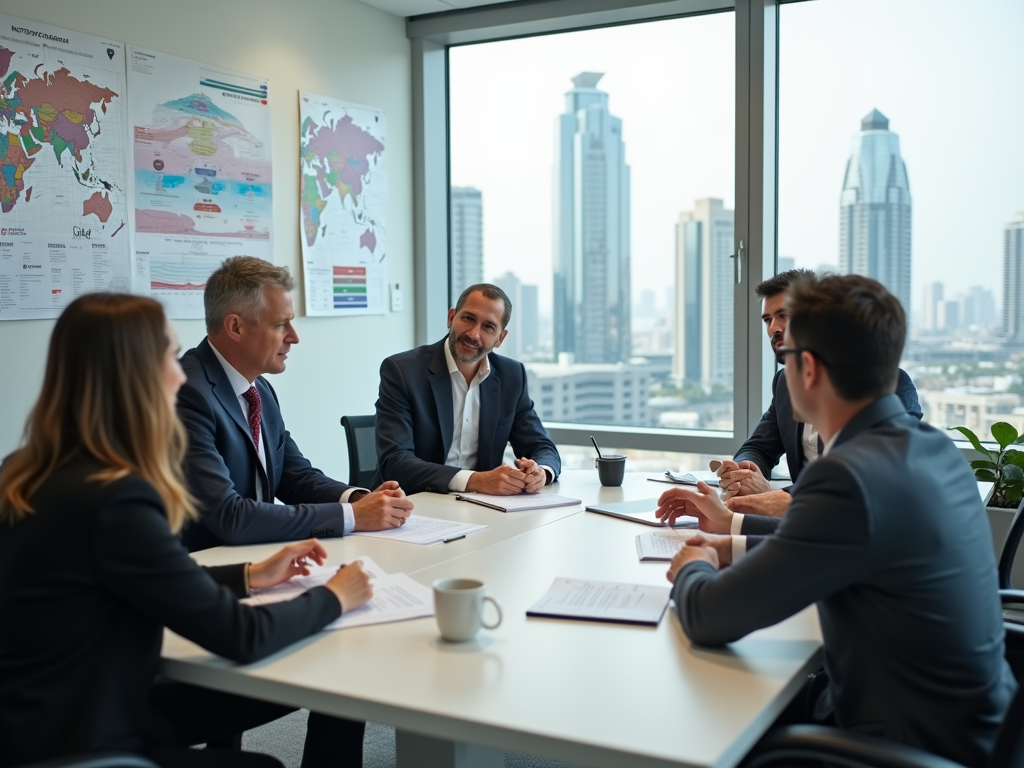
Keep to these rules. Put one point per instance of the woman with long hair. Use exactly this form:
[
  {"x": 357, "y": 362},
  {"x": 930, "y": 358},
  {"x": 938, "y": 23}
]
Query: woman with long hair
[{"x": 91, "y": 568}]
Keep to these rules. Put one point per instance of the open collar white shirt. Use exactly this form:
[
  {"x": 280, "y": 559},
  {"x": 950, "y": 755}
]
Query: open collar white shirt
[
  {"x": 240, "y": 385},
  {"x": 465, "y": 420}
]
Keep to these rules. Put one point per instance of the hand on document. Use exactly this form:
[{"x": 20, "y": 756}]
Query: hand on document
[
  {"x": 351, "y": 585},
  {"x": 710, "y": 548},
  {"x": 293, "y": 560},
  {"x": 384, "y": 509},
  {"x": 702, "y": 502}
]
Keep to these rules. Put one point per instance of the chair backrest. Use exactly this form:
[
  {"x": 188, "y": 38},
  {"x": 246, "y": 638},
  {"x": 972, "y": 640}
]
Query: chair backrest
[
  {"x": 361, "y": 436},
  {"x": 1010, "y": 548},
  {"x": 1009, "y": 748}
]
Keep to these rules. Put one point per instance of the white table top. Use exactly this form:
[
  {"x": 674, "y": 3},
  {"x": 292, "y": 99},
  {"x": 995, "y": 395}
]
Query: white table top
[{"x": 597, "y": 694}]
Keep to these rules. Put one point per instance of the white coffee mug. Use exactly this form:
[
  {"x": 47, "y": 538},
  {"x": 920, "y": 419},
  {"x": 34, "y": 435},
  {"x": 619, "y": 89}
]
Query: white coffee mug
[{"x": 459, "y": 607}]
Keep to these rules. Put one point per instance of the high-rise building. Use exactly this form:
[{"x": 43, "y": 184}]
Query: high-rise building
[
  {"x": 874, "y": 223},
  {"x": 704, "y": 294},
  {"x": 979, "y": 307},
  {"x": 933, "y": 294},
  {"x": 591, "y": 229},
  {"x": 523, "y": 327},
  {"x": 467, "y": 239},
  {"x": 1013, "y": 279}
]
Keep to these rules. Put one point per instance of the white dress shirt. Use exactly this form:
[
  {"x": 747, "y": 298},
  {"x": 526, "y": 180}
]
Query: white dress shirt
[
  {"x": 465, "y": 420},
  {"x": 739, "y": 542},
  {"x": 240, "y": 385}
]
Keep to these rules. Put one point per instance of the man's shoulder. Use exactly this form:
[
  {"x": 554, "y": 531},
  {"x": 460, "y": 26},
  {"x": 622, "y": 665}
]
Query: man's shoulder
[{"x": 415, "y": 356}]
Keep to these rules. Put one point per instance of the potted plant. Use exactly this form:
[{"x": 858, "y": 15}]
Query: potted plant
[{"x": 1004, "y": 467}]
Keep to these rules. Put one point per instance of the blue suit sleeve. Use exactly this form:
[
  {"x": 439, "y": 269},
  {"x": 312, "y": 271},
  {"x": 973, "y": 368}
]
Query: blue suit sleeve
[
  {"x": 764, "y": 447},
  {"x": 529, "y": 439},
  {"x": 907, "y": 393}
]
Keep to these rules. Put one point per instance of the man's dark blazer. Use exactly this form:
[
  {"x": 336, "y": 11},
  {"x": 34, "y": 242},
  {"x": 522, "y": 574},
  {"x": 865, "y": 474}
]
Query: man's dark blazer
[
  {"x": 415, "y": 422},
  {"x": 222, "y": 468},
  {"x": 80, "y": 638},
  {"x": 888, "y": 536},
  {"x": 778, "y": 433}
]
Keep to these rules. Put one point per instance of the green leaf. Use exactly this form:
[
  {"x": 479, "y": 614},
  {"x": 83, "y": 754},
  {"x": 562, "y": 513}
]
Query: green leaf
[
  {"x": 1014, "y": 457},
  {"x": 985, "y": 476},
  {"x": 986, "y": 464},
  {"x": 974, "y": 440},
  {"x": 1004, "y": 434},
  {"x": 1012, "y": 474}
]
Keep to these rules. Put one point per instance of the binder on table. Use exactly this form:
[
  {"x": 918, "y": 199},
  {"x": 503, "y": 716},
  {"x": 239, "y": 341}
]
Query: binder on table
[{"x": 521, "y": 502}]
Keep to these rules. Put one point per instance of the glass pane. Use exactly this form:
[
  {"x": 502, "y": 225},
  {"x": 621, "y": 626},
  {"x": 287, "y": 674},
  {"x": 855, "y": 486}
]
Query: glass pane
[
  {"x": 592, "y": 179},
  {"x": 900, "y": 157}
]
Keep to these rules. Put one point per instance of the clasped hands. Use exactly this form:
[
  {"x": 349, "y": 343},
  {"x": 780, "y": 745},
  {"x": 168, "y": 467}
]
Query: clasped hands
[
  {"x": 386, "y": 507},
  {"x": 526, "y": 477},
  {"x": 747, "y": 490},
  {"x": 351, "y": 584}
]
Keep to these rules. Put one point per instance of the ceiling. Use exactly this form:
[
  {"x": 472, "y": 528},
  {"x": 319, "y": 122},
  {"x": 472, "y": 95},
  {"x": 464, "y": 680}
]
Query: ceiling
[{"x": 417, "y": 7}]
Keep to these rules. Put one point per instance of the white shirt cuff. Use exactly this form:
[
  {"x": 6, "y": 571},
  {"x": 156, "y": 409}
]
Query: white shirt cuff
[
  {"x": 350, "y": 519},
  {"x": 461, "y": 480},
  {"x": 739, "y": 547},
  {"x": 737, "y": 524},
  {"x": 550, "y": 471}
]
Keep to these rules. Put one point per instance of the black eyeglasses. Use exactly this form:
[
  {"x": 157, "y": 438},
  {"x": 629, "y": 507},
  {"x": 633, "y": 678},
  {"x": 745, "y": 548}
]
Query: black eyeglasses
[{"x": 797, "y": 351}]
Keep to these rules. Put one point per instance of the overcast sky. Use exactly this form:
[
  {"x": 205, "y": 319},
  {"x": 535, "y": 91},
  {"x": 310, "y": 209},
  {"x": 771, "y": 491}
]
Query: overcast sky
[{"x": 947, "y": 75}]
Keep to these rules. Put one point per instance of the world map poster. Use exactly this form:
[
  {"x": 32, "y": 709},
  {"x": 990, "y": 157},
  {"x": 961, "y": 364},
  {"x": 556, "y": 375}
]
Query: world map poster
[
  {"x": 63, "y": 168},
  {"x": 343, "y": 205},
  {"x": 202, "y": 173}
]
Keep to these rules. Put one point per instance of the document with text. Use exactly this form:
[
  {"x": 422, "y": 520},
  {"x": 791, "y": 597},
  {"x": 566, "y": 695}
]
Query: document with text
[
  {"x": 661, "y": 546},
  {"x": 606, "y": 601},
  {"x": 425, "y": 530},
  {"x": 396, "y": 596}
]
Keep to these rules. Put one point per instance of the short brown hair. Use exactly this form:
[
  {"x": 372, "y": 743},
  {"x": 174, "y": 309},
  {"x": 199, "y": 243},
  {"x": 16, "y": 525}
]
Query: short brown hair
[
  {"x": 775, "y": 285},
  {"x": 854, "y": 327},
  {"x": 492, "y": 292},
  {"x": 236, "y": 287},
  {"x": 102, "y": 397}
]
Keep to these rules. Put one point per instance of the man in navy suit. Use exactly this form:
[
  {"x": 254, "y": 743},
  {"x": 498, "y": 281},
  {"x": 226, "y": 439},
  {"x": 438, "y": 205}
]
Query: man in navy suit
[
  {"x": 447, "y": 410},
  {"x": 886, "y": 534},
  {"x": 778, "y": 431},
  {"x": 240, "y": 456}
]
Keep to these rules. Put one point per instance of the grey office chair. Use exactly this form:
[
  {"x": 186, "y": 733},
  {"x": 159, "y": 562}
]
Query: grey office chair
[
  {"x": 361, "y": 436},
  {"x": 809, "y": 744},
  {"x": 1009, "y": 552}
]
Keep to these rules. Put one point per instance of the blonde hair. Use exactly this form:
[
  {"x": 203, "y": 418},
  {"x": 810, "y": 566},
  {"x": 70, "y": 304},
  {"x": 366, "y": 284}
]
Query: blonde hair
[
  {"x": 103, "y": 397},
  {"x": 237, "y": 287}
]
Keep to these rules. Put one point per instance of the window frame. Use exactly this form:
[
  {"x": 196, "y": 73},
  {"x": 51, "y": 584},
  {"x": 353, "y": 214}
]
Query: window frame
[{"x": 756, "y": 151}]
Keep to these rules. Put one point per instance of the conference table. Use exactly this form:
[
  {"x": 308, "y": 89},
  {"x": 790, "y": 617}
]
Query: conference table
[{"x": 594, "y": 694}]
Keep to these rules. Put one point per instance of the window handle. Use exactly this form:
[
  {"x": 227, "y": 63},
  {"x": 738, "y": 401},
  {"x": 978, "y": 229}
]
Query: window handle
[{"x": 737, "y": 266}]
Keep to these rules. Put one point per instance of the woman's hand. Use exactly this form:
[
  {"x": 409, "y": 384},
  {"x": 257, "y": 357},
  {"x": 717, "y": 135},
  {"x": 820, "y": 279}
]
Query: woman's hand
[
  {"x": 351, "y": 585},
  {"x": 293, "y": 560}
]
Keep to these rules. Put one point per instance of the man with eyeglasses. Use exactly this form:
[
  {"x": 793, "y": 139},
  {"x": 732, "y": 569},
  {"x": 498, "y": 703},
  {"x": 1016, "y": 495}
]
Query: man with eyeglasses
[
  {"x": 745, "y": 479},
  {"x": 886, "y": 534}
]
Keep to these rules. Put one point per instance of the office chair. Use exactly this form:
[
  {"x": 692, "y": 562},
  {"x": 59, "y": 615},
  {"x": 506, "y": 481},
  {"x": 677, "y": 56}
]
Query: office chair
[
  {"x": 99, "y": 760},
  {"x": 810, "y": 743},
  {"x": 1009, "y": 552},
  {"x": 361, "y": 436}
]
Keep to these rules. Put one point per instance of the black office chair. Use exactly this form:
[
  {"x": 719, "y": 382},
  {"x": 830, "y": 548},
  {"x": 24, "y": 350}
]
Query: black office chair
[
  {"x": 1009, "y": 552},
  {"x": 100, "y": 760},
  {"x": 361, "y": 436},
  {"x": 816, "y": 744}
]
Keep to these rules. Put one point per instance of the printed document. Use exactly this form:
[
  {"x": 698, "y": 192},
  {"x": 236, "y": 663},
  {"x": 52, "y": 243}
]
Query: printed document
[
  {"x": 396, "y": 596},
  {"x": 424, "y": 530},
  {"x": 661, "y": 546},
  {"x": 607, "y": 601}
]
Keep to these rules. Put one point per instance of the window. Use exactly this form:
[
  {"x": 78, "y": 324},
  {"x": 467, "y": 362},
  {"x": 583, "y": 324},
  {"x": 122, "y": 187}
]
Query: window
[
  {"x": 900, "y": 157},
  {"x": 592, "y": 178}
]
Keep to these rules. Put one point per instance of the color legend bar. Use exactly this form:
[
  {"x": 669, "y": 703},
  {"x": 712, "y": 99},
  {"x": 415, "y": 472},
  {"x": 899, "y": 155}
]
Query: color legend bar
[{"x": 350, "y": 288}]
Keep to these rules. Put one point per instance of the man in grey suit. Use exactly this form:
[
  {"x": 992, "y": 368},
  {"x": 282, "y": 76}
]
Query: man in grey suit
[
  {"x": 240, "y": 455},
  {"x": 886, "y": 534}
]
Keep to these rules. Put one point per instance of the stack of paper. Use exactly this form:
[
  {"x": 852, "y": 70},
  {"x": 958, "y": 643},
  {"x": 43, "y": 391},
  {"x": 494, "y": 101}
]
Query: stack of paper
[
  {"x": 687, "y": 478},
  {"x": 520, "y": 502},
  {"x": 661, "y": 546},
  {"x": 607, "y": 601},
  {"x": 396, "y": 597},
  {"x": 425, "y": 530}
]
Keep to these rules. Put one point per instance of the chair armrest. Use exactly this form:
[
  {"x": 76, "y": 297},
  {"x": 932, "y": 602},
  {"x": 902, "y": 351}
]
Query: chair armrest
[
  {"x": 815, "y": 742},
  {"x": 1011, "y": 596},
  {"x": 97, "y": 760}
]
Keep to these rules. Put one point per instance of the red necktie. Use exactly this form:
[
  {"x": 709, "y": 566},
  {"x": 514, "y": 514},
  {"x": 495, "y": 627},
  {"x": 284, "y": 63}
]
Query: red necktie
[{"x": 252, "y": 397}]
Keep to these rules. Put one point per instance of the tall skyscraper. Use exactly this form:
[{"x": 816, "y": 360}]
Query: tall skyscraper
[
  {"x": 523, "y": 327},
  {"x": 874, "y": 223},
  {"x": 591, "y": 228},
  {"x": 1013, "y": 279},
  {"x": 467, "y": 239},
  {"x": 933, "y": 294},
  {"x": 704, "y": 294}
]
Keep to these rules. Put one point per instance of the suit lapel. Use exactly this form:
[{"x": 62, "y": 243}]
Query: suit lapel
[
  {"x": 490, "y": 394},
  {"x": 269, "y": 437},
  {"x": 441, "y": 385}
]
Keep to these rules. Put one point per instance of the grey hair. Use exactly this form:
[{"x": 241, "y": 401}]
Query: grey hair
[{"x": 236, "y": 287}]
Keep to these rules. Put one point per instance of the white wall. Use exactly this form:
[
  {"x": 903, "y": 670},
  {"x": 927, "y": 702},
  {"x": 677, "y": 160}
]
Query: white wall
[{"x": 338, "y": 48}]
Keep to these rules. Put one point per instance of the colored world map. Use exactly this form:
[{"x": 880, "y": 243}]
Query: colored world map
[{"x": 55, "y": 112}]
